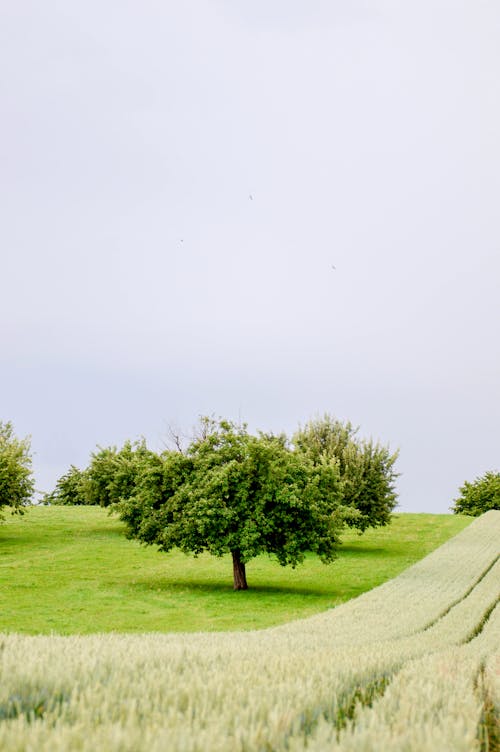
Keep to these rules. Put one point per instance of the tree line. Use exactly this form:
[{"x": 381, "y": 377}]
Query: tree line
[{"x": 226, "y": 490}]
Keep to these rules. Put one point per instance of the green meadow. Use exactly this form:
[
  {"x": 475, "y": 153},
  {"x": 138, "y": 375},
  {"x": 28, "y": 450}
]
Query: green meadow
[{"x": 70, "y": 570}]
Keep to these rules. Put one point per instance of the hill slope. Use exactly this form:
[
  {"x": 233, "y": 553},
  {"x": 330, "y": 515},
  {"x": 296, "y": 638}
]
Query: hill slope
[{"x": 71, "y": 570}]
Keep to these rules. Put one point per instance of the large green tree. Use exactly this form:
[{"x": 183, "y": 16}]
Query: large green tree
[
  {"x": 16, "y": 475},
  {"x": 366, "y": 468},
  {"x": 232, "y": 492},
  {"x": 479, "y": 496}
]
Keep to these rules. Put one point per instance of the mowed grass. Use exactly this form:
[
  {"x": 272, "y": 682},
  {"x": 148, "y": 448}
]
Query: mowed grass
[{"x": 70, "y": 570}]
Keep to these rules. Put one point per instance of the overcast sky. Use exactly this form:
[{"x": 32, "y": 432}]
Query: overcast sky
[{"x": 179, "y": 178}]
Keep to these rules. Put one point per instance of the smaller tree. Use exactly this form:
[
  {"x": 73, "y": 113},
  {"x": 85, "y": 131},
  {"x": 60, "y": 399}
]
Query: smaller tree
[
  {"x": 479, "y": 496},
  {"x": 16, "y": 474},
  {"x": 69, "y": 489},
  {"x": 112, "y": 474},
  {"x": 376, "y": 498},
  {"x": 366, "y": 469}
]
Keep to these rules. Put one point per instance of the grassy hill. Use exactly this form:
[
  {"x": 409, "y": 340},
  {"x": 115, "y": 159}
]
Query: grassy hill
[{"x": 71, "y": 570}]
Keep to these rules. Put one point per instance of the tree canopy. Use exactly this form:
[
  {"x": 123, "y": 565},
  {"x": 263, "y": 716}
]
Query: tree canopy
[
  {"x": 479, "y": 496},
  {"x": 366, "y": 468},
  {"x": 69, "y": 489},
  {"x": 111, "y": 475},
  {"x": 16, "y": 475}
]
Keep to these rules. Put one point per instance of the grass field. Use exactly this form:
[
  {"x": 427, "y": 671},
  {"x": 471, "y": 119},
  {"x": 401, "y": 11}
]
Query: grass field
[{"x": 71, "y": 570}]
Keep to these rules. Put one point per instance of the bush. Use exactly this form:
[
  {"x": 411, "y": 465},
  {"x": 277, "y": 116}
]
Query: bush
[
  {"x": 479, "y": 496},
  {"x": 16, "y": 475}
]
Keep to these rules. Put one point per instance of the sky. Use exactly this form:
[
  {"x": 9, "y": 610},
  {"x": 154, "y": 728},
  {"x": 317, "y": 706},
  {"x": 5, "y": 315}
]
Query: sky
[{"x": 265, "y": 211}]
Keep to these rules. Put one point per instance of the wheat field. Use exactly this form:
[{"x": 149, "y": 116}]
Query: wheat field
[{"x": 411, "y": 665}]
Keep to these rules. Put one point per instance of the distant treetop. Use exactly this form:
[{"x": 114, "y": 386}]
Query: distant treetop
[
  {"x": 479, "y": 496},
  {"x": 16, "y": 475}
]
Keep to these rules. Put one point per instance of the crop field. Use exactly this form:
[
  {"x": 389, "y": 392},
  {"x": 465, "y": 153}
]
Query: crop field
[{"x": 412, "y": 665}]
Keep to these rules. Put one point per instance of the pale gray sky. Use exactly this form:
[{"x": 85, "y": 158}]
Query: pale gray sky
[{"x": 177, "y": 180}]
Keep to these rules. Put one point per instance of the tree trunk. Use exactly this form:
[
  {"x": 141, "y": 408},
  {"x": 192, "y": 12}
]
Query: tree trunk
[{"x": 240, "y": 578}]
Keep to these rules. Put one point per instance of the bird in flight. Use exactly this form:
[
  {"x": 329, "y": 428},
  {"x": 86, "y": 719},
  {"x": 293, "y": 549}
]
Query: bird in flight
[
  {"x": 250, "y": 197},
  {"x": 334, "y": 267}
]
